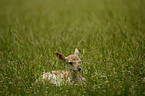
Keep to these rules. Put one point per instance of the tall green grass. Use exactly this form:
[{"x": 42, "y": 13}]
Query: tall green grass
[{"x": 109, "y": 34}]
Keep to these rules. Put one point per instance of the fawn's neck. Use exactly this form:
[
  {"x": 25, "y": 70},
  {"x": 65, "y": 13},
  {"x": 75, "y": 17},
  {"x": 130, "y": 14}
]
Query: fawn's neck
[{"x": 74, "y": 76}]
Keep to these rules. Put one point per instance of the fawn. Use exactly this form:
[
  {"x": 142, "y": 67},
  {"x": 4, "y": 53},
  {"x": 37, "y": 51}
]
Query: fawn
[{"x": 72, "y": 76}]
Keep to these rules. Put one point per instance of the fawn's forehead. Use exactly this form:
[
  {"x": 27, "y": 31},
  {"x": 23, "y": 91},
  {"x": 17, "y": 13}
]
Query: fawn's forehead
[{"x": 73, "y": 58}]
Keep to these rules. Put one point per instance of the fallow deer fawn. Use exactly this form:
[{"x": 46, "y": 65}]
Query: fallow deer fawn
[{"x": 60, "y": 77}]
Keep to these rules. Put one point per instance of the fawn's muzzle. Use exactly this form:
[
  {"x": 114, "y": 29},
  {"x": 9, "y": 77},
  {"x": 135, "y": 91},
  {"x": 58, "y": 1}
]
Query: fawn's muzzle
[{"x": 79, "y": 68}]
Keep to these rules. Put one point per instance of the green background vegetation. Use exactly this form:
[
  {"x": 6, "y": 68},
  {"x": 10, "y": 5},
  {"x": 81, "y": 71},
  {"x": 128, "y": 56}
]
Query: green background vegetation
[{"x": 109, "y": 34}]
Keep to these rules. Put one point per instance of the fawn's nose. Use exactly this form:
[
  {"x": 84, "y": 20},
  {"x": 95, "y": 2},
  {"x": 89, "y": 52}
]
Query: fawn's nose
[{"x": 79, "y": 68}]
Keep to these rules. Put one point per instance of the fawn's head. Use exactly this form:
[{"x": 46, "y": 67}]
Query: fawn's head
[{"x": 73, "y": 61}]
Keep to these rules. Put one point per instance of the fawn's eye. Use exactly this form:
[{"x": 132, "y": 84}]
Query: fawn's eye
[
  {"x": 80, "y": 62},
  {"x": 70, "y": 63}
]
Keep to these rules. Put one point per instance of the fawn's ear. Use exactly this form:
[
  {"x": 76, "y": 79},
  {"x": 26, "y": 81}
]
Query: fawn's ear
[
  {"x": 76, "y": 52},
  {"x": 60, "y": 56}
]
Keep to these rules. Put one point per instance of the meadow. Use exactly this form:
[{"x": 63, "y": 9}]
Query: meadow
[{"x": 110, "y": 35}]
